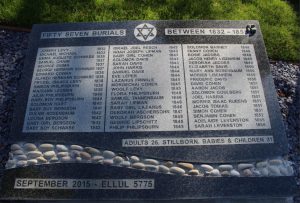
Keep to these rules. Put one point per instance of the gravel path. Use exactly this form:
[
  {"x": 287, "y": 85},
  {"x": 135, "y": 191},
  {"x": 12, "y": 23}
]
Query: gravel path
[
  {"x": 13, "y": 46},
  {"x": 287, "y": 81}
]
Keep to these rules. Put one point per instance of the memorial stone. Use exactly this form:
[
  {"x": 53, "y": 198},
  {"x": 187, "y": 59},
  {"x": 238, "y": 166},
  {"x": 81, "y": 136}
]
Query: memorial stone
[{"x": 139, "y": 110}]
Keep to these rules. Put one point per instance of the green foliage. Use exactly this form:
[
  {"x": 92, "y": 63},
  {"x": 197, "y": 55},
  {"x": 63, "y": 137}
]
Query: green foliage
[{"x": 279, "y": 22}]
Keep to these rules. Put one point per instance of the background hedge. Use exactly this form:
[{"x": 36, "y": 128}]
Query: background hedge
[{"x": 278, "y": 19}]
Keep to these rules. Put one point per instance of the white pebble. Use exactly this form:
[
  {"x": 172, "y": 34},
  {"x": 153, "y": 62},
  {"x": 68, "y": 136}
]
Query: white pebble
[
  {"x": 247, "y": 172},
  {"x": 29, "y": 147},
  {"x": 66, "y": 159},
  {"x": 125, "y": 164},
  {"x": 134, "y": 159},
  {"x": 96, "y": 159},
  {"x": 177, "y": 170},
  {"x": 76, "y": 147},
  {"x": 92, "y": 151},
  {"x": 186, "y": 166},
  {"x": 49, "y": 154},
  {"x": 256, "y": 172},
  {"x": 10, "y": 164},
  {"x": 138, "y": 165},
  {"x": 32, "y": 162},
  {"x": 194, "y": 172},
  {"x": 284, "y": 171},
  {"x": 34, "y": 154},
  {"x": 85, "y": 155},
  {"x": 41, "y": 160},
  {"x": 18, "y": 152},
  {"x": 75, "y": 153},
  {"x": 54, "y": 160},
  {"x": 245, "y": 166},
  {"x": 108, "y": 162},
  {"x": 274, "y": 171},
  {"x": 235, "y": 173},
  {"x": 151, "y": 161},
  {"x": 225, "y": 167},
  {"x": 169, "y": 164},
  {"x": 261, "y": 164},
  {"x": 225, "y": 173},
  {"x": 21, "y": 157},
  {"x": 61, "y": 148},
  {"x": 21, "y": 163},
  {"x": 207, "y": 167},
  {"x": 275, "y": 162},
  {"x": 46, "y": 147},
  {"x": 117, "y": 160},
  {"x": 14, "y": 147},
  {"x": 215, "y": 172},
  {"x": 78, "y": 159},
  {"x": 62, "y": 154},
  {"x": 108, "y": 154},
  {"x": 163, "y": 169},
  {"x": 264, "y": 172}
]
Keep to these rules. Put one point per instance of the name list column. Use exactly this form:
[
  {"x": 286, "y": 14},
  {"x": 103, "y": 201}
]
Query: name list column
[
  {"x": 145, "y": 89},
  {"x": 224, "y": 89},
  {"x": 67, "y": 93}
]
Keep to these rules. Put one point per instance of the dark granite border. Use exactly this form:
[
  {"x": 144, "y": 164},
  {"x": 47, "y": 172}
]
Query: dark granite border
[
  {"x": 193, "y": 154},
  {"x": 167, "y": 187}
]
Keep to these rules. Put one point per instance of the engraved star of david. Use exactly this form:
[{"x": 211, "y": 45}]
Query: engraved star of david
[{"x": 145, "y": 32}]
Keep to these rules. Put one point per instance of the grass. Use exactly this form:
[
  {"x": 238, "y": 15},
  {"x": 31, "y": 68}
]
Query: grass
[{"x": 279, "y": 22}]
